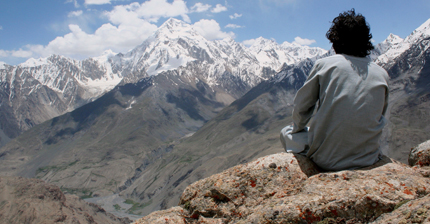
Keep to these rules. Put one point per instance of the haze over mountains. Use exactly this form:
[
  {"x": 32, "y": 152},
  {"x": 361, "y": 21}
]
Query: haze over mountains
[{"x": 185, "y": 108}]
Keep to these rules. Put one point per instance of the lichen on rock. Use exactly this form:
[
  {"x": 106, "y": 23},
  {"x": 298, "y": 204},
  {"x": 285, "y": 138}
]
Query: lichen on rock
[
  {"x": 289, "y": 188},
  {"x": 420, "y": 155},
  {"x": 415, "y": 211}
]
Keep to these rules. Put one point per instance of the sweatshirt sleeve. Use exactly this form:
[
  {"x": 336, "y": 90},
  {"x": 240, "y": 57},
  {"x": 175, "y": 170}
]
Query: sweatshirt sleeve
[{"x": 305, "y": 100}]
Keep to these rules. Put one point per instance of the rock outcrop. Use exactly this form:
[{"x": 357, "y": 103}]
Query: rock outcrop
[
  {"x": 414, "y": 211},
  {"x": 25, "y": 200},
  {"x": 420, "y": 155},
  {"x": 289, "y": 188}
]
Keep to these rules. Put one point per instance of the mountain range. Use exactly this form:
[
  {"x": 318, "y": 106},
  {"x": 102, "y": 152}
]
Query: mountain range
[
  {"x": 41, "y": 89},
  {"x": 409, "y": 92},
  {"x": 176, "y": 109}
]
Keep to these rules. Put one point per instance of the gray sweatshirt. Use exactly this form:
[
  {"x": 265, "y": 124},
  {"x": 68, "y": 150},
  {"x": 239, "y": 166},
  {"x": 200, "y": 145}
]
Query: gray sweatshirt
[{"x": 352, "y": 96}]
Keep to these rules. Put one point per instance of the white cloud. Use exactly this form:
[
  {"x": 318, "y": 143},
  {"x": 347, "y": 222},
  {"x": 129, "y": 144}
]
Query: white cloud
[
  {"x": 18, "y": 54},
  {"x": 249, "y": 42},
  {"x": 21, "y": 53},
  {"x": 235, "y": 16},
  {"x": 124, "y": 14},
  {"x": 97, "y": 2},
  {"x": 301, "y": 41},
  {"x": 80, "y": 44},
  {"x": 152, "y": 10},
  {"x": 127, "y": 26},
  {"x": 3, "y": 53},
  {"x": 161, "y": 8},
  {"x": 75, "y": 13},
  {"x": 219, "y": 8},
  {"x": 75, "y": 2},
  {"x": 211, "y": 30},
  {"x": 1, "y": 27},
  {"x": 200, "y": 7},
  {"x": 233, "y": 26}
]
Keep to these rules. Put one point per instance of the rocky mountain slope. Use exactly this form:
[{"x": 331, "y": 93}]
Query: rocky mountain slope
[
  {"x": 409, "y": 92},
  {"x": 288, "y": 188},
  {"x": 137, "y": 140},
  {"x": 41, "y": 89},
  {"x": 176, "y": 44},
  {"x": 249, "y": 128},
  {"x": 97, "y": 147},
  {"x": 119, "y": 140},
  {"x": 34, "y": 201},
  {"x": 245, "y": 130},
  {"x": 171, "y": 85}
]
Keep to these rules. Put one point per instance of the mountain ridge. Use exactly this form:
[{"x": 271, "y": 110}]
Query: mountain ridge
[
  {"x": 146, "y": 141},
  {"x": 174, "y": 46},
  {"x": 249, "y": 127},
  {"x": 397, "y": 45}
]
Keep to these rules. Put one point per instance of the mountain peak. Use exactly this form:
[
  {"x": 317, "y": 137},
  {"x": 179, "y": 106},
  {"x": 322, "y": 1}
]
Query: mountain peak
[
  {"x": 2, "y": 65},
  {"x": 229, "y": 39},
  {"x": 419, "y": 33},
  {"x": 32, "y": 62},
  {"x": 425, "y": 27},
  {"x": 105, "y": 56},
  {"x": 262, "y": 43},
  {"x": 394, "y": 46},
  {"x": 173, "y": 24},
  {"x": 173, "y": 29},
  {"x": 393, "y": 39},
  {"x": 287, "y": 45}
]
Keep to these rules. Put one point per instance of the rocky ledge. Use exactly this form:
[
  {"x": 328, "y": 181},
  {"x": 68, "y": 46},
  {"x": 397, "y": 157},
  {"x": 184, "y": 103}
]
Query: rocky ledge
[{"x": 289, "y": 188}]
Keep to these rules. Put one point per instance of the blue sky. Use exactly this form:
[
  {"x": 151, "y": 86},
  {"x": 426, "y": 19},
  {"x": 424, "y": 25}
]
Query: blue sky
[{"x": 86, "y": 28}]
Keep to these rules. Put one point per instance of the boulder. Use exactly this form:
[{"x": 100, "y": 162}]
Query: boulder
[
  {"x": 172, "y": 215},
  {"x": 289, "y": 188},
  {"x": 414, "y": 211},
  {"x": 420, "y": 155}
]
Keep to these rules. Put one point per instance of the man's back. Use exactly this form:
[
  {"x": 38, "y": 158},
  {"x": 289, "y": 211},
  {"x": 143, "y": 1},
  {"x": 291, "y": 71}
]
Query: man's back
[{"x": 353, "y": 96}]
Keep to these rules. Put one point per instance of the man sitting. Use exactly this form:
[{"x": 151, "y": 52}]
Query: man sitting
[{"x": 350, "y": 94}]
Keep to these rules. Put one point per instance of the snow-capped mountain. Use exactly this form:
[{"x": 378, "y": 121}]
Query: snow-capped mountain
[
  {"x": 176, "y": 44},
  {"x": 394, "y": 46},
  {"x": 2, "y": 65},
  {"x": 63, "y": 74},
  {"x": 392, "y": 41},
  {"x": 147, "y": 140},
  {"x": 40, "y": 89},
  {"x": 407, "y": 63},
  {"x": 228, "y": 67},
  {"x": 271, "y": 54}
]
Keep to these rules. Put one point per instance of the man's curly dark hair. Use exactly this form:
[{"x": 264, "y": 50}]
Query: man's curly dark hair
[{"x": 350, "y": 34}]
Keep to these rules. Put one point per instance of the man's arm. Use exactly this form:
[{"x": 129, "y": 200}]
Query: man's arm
[
  {"x": 384, "y": 110},
  {"x": 305, "y": 101}
]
